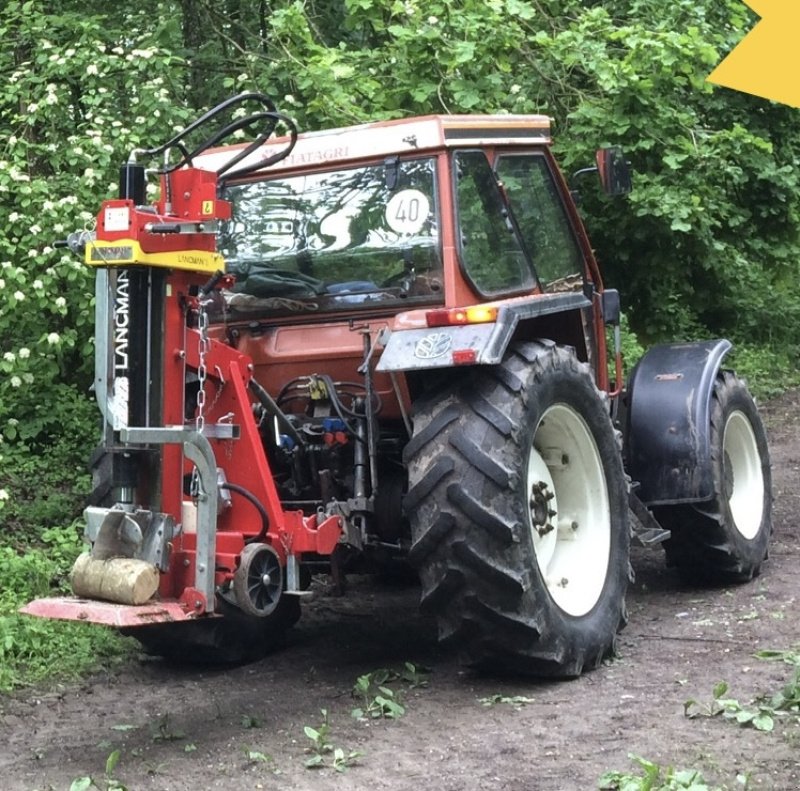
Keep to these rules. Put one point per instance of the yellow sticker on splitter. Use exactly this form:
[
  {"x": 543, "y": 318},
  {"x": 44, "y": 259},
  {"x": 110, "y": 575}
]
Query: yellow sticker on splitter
[
  {"x": 208, "y": 207},
  {"x": 766, "y": 62}
]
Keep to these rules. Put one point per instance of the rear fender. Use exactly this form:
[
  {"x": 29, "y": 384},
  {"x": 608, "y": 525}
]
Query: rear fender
[
  {"x": 486, "y": 344},
  {"x": 667, "y": 438}
]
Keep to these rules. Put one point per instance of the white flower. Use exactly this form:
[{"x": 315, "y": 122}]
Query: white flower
[
  {"x": 37, "y": 284},
  {"x": 53, "y": 338},
  {"x": 33, "y": 253},
  {"x": 15, "y": 381},
  {"x": 35, "y": 229},
  {"x": 433, "y": 20},
  {"x": 27, "y": 378},
  {"x": 2, "y": 284},
  {"x": 19, "y": 296},
  {"x": 24, "y": 353},
  {"x": 9, "y": 357},
  {"x": 61, "y": 302},
  {"x": 515, "y": 89},
  {"x": 3, "y": 494},
  {"x": 91, "y": 69},
  {"x": 13, "y": 217},
  {"x": 51, "y": 98}
]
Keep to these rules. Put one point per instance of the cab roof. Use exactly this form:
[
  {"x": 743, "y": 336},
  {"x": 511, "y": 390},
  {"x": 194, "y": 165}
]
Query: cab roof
[{"x": 392, "y": 138}]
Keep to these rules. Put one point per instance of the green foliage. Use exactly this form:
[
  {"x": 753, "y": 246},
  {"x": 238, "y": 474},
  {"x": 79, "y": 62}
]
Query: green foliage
[
  {"x": 43, "y": 470},
  {"x": 323, "y": 752},
  {"x": 763, "y": 712},
  {"x": 515, "y": 701},
  {"x": 768, "y": 370},
  {"x": 657, "y": 778},
  {"x": 256, "y": 756},
  {"x": 109, "y": 782},
  {"x": 761, "y": 717},
  {"x": 32, "y": 648},
  {"x": 379, "y": 700}
]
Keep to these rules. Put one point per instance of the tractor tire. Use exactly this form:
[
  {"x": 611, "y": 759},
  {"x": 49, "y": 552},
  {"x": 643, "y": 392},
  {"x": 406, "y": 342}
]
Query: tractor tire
[
  {"x": 727, "y": 538},
  {"x": 518, "y": 508},
  {"x": 233, "y": 639}
]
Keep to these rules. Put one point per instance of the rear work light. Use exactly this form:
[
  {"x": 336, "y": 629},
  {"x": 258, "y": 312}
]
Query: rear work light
[{"x": 477, "y": 314}]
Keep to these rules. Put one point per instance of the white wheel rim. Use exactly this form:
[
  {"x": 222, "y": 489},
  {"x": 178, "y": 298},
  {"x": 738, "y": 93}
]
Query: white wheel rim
[
  {"x": 743, "y": 481},
  {"x": 569, "y": 510}
]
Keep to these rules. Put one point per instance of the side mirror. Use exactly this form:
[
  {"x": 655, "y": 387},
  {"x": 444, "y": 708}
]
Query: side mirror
[{"x": 615, "y": 175}]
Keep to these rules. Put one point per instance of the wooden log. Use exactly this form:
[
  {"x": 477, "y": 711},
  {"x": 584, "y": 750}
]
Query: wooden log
[{"x": 121, "y": 580}]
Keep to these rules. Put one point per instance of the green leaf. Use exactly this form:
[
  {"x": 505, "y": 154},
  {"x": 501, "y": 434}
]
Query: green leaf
[
  {"x": 763, "y": 722},
  {"x": 720, "y": 689},
  {"x": 112, "y": 761}
]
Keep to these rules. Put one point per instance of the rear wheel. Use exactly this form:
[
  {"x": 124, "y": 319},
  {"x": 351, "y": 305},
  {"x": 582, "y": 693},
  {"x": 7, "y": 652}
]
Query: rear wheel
[
  {"x": 518, "y": 507},
  {"x": 727, "y": 538}
]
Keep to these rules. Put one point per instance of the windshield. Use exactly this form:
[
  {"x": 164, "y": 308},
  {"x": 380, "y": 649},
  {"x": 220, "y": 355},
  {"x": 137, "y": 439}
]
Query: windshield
[{"x": 360, "y": 237}]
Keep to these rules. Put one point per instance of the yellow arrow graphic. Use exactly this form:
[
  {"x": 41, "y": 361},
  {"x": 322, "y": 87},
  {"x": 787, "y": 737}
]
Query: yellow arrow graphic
[{"x": 767, "y": 61}]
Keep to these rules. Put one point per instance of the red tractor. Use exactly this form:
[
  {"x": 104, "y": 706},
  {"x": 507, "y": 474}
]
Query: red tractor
[{"x": 386, "y": 345}]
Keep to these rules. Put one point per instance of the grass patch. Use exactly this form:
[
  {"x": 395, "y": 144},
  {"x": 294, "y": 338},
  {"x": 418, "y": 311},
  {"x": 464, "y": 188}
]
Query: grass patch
[
  {"x": 34, "y": 649},
  {"x": 768, "y": 371}
]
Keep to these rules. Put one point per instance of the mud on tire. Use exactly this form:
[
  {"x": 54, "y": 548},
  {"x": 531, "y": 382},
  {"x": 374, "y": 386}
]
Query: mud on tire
[
  {"x": 518, "y": 507},
  {"x": 727, "y": 538}
]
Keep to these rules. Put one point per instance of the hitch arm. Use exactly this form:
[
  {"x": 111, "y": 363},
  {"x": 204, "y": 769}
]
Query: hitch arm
[{"x": 198, "y": 450}]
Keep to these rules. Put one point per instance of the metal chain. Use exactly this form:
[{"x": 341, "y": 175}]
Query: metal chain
[{"x": 203, "y": 346}]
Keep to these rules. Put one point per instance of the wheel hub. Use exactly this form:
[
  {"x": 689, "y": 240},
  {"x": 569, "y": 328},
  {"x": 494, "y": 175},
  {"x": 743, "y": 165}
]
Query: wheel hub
[{"x": 541, "y": 512}]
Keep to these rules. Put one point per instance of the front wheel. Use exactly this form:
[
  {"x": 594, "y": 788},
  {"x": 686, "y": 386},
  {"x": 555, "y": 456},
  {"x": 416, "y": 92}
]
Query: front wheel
[
  {"x": 518, "y": 506},
  {"x": 727, "y": 538}
]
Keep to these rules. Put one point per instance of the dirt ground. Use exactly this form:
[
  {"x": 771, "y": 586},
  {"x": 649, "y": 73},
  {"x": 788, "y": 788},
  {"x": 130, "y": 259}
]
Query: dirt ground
[{"x": 180, "y": 729}]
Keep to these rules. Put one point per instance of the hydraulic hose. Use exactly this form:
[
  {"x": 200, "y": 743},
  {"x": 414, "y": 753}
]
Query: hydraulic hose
[
  {"x": 274, "y": 410},
  {"x": 248, "y": 495}
]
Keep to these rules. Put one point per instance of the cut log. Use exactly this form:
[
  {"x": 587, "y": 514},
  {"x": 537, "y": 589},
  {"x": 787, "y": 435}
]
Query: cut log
[{"x": 121, "y": 580}]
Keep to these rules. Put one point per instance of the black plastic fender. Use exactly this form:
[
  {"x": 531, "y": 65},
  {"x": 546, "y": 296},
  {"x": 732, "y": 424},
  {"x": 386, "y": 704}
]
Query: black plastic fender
[{"x": 667, "y": 436}]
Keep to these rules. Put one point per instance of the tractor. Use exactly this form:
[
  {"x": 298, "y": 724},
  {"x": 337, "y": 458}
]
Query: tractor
[{"x": 381, "y": 347}]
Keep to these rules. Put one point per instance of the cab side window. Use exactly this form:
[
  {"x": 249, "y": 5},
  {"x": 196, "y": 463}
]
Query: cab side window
[
  {"x": 492, "y": 257},
  {"x": 542, "y": 219}
]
